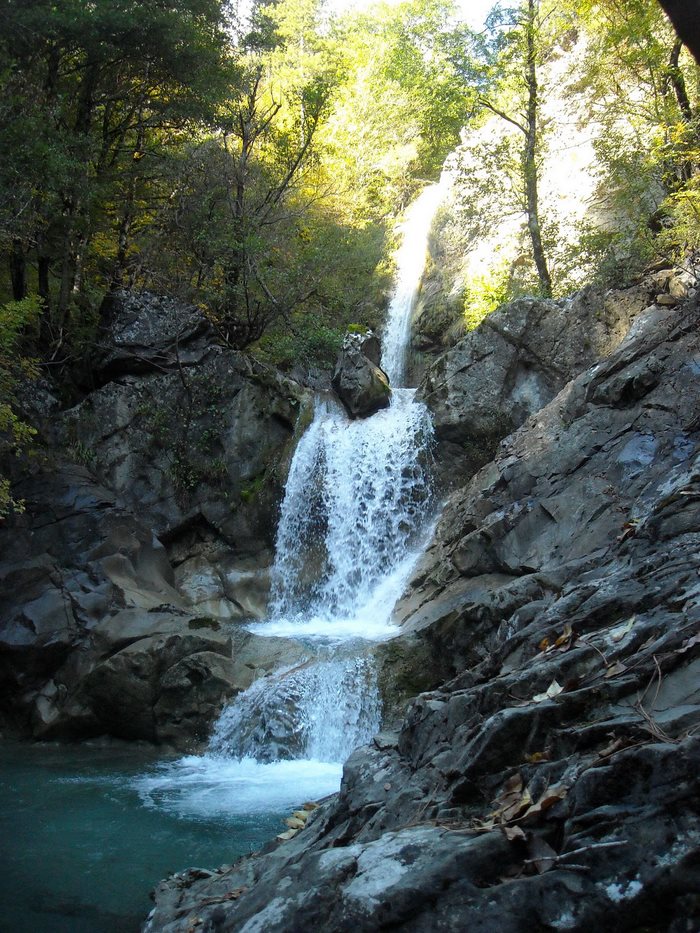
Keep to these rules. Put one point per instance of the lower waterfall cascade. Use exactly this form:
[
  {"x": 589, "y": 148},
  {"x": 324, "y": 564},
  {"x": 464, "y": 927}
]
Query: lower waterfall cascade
[{"x": 355, "y": 517}]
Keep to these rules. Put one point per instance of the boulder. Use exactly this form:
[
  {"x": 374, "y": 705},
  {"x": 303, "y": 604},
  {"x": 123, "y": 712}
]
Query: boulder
[
  {"x": 192, "y": 693},
  {"x": 196, "y": 439},
  {"x": 95, "y": 636},
  {"x": 142, "y": 332},
  {"x": 361, "y": 385},
  {"x": 197, "y": 447}
]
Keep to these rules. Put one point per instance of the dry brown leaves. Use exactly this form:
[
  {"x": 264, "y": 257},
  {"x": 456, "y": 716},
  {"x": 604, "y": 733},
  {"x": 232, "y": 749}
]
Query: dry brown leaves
[
  {"x": 515, "y": 806},
  {"x": 297, "y": 821}
]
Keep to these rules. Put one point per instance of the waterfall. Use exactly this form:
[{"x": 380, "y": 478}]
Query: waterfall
[
  {"x": 355, "y": 515},
  {"x": 410, "y": 262},
  {"x": 320, "y": 711},
  {"x": 355, "y": 503}
]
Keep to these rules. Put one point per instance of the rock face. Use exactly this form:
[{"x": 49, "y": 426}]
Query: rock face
[
  {"x": 359, "y": 382},
  {"x": 194, "y": 438},
  {"x": 549, "y": 781},
  {"x": 118, "y": 581},
  {"x": 96, "y": 638},
  {"x": 514, "y": 363},
  {"x": 143, "y": 332}
]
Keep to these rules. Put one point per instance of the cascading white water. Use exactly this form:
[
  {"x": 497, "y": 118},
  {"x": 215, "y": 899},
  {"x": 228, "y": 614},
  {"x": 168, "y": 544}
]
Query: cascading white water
[
  {"x": 358, "y": 492},
  {"x": 356, "y": 506},
  {"x": 321, "y": 710},
  {"x": 410, "y": 262},
  {"x": 356, "y": 500}
]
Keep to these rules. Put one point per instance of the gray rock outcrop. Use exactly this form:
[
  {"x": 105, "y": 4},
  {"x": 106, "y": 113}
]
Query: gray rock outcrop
[
  {"x": 514, "y": 363},
  {"x": 148, "y": 528},
  {"x": 549, "y": 780},
  {"x": 361, "y": 385},
  {"x": 143, "y": 332},
  {"x": 95, "y": 636}
]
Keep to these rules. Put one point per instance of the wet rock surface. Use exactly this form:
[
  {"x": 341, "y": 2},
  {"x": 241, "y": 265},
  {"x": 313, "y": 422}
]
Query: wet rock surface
[
  {"x": 360, "y": 384},
  {"x": 549, "y": 780}
]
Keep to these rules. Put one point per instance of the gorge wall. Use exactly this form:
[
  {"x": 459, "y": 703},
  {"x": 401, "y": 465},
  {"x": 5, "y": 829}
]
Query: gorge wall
[
  {"x": 548, "y": 781},
  {"x": 150, "y": 519},
  {"x": 538, "y": 766}
]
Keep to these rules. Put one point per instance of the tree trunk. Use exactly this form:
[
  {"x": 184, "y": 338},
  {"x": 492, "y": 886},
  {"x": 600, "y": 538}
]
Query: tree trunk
[
  {"x": 75, "y": 239},
  {"x": 129, "y": 212},
  {"x": 18, "y": 270},
  {"x": 678, "y": 82},
  {"x": 530, "y": 155},
  {"x": 43, "y": 283},
  {"x": 685, "y": 16}
]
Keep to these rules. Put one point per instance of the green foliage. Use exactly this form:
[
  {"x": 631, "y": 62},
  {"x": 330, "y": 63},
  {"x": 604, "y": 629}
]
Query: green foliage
[
  {"x": 641, "y": 89},
  {"x": 486, "y": 293},
  {"x": 681, "y": 232},
  {"x": 311, "y": 344},
  {"x": 251, "y": 489},
  {"x": 91, "y": 96},
  {"x": 15, "y": 434},
  {"x": 255, "y": 167}
]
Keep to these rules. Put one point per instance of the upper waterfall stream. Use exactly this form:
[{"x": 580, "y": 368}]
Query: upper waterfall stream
[{"x": 356, "y": 509}]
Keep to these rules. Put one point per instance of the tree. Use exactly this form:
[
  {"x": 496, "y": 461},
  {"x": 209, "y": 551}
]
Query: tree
[
  {"x": 504, "y": 70},
  {"x": 90, "y": 92},
  {"x": 685, "y": 17}
]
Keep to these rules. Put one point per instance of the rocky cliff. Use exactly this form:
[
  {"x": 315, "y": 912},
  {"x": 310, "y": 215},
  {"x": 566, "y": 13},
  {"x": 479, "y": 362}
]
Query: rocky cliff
[
  {"x": 149, "y": 525},
  {"x": 549, "y": 780}
]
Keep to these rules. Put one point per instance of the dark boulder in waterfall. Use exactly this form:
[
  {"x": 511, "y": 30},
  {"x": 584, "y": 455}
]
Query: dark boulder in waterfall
[
  {"x": 361, "y": 385},
  {"x": 549, "y": 778}
]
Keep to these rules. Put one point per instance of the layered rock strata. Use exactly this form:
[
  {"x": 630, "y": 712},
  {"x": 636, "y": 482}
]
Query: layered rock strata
[
  {"x": 149, "y": 526},
  {"x": 549, "y": 781}
]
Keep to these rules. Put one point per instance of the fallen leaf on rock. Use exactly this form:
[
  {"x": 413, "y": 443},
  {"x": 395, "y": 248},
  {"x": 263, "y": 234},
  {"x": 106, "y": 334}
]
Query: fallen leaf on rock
[
  {"x": 619, "y": 632},
  {"x": 537, "y": 757},
  {"x": 542, "y": 855},
  {"x": 515, "y": 805},
  {"x": 289, "y": 834},
  {"x": 551, "y": 796},
  {"x": 514, "y": 810},
  {"x": 309, "y": 805},
  {"x": 513, "y": 785},
  {"x": 565, "y": 638},
  {"x": 617, "y": 668},
  {"x": 301, "y": 815},
  {"x": 294, "y": 822},
  {"x": 561, "y": 643},
  {"x": 553, "y": 690},
  {"x": 629, "y": 529}
]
